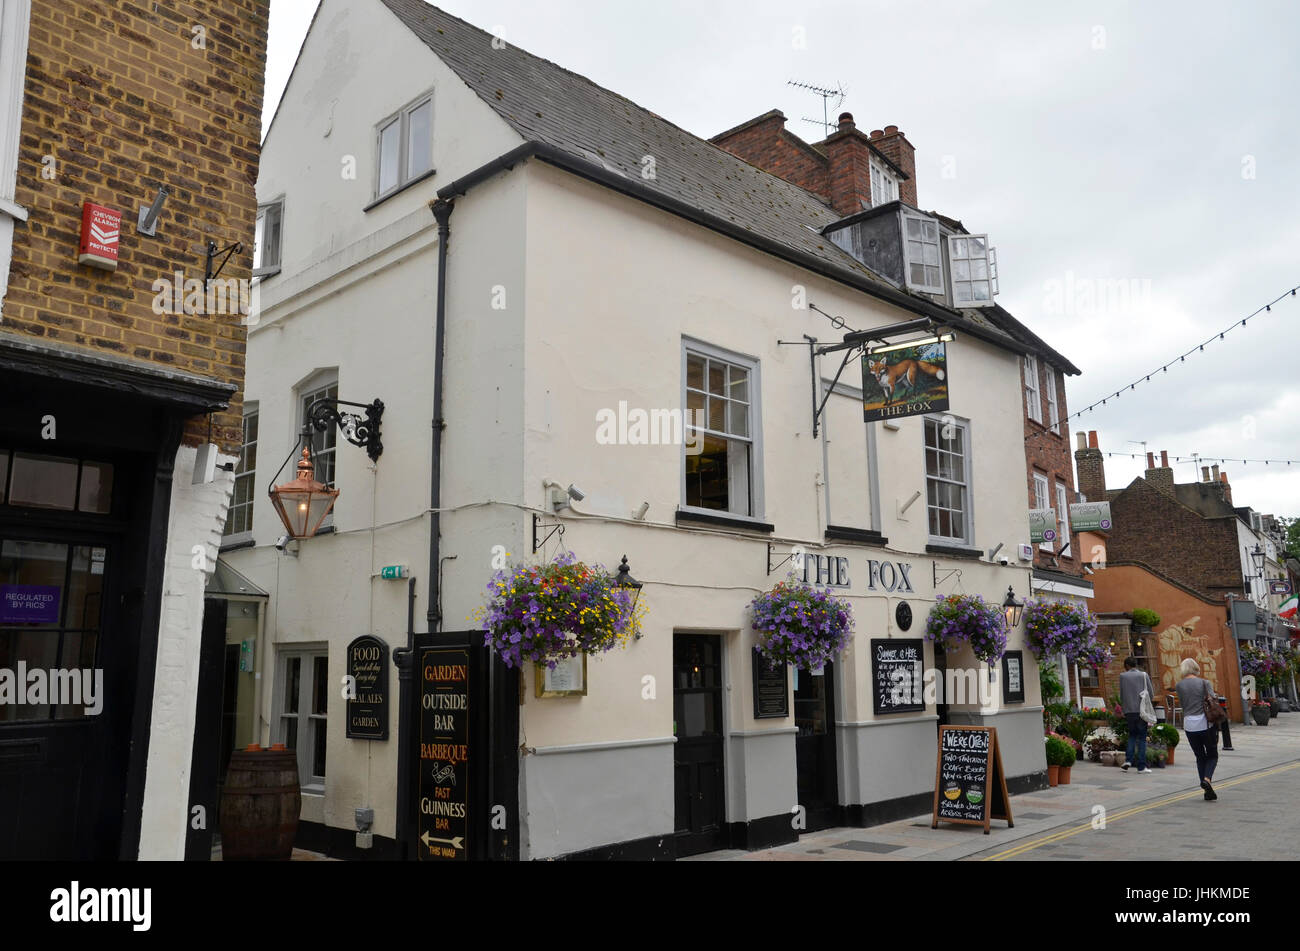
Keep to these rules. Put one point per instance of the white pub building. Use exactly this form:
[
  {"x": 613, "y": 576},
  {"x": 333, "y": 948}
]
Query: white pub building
[{"x": 582, "y": 264}]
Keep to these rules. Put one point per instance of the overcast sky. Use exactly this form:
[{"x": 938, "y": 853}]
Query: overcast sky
[{"x": 1136, "y": 165}]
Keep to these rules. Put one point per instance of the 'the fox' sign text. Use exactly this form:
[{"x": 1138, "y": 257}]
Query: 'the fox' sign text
[{"x": 100, "y": 230}]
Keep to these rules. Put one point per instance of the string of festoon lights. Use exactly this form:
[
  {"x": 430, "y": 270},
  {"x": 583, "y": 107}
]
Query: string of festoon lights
[
  {"x": 1208, "y": 459},
  {"x": 1182, "y": 358}
]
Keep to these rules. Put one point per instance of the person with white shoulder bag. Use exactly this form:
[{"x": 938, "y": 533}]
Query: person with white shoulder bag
[{"x": 1135, "y": 692}]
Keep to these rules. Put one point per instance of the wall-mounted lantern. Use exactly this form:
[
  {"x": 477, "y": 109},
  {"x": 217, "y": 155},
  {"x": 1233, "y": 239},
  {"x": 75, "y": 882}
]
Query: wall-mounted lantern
[
  {"x": 303, "y": 503},
  {"x": 1012, "y": 608}
]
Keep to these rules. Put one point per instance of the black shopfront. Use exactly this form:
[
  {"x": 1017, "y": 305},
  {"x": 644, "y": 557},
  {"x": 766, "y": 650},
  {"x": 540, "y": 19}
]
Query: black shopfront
[{"x": 87, "y": 448}]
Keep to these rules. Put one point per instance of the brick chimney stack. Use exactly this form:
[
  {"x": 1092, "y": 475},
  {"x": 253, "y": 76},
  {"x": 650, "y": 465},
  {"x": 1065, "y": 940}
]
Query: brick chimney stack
[
  {"x": 1091, "y": 469},
  {"x": 1227, "y": 487},
  {"x": 1162, "y": 476},
  {"x": 894, "y": 146},
  {"x": 850, "y": 168}
]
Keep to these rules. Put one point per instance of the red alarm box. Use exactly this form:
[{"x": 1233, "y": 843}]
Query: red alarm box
[{"x": 100, "y": 229}]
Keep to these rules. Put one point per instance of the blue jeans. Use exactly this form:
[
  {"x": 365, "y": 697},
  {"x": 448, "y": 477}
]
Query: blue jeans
[{"x": 1137, "y": 740}]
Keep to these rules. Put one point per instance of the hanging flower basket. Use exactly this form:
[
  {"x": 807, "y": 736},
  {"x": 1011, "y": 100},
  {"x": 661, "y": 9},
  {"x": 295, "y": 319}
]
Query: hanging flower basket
[
  {"x": 968, "y": 618},
  {"x": 1064, "y": 628},
  {"x": 545, "y": 613},
  {"x": 801, "y": 625}
]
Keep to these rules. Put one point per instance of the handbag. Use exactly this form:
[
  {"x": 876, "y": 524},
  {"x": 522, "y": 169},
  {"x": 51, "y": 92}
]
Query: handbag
[
  {"x": 1213, "y": 712},
  {"x": 1145, "y": 710}
]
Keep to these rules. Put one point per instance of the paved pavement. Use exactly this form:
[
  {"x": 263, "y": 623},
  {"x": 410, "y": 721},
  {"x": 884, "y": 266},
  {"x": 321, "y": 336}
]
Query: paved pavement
[{"x": 1157, "y": 815}]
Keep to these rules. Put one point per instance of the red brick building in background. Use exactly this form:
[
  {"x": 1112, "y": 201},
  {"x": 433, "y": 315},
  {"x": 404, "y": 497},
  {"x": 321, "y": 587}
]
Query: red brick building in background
[{"x": 108, "y": 392}]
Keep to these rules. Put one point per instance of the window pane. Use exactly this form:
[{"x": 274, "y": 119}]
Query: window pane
[
  {"x": 96, "y": 488},
  {"x": 739, "y": 381},
  {"x": 44, "y": 482},
  {"x": 717, "y": 414},
  {"x": 85, "y": 587},
  {"x": 31, "y": 582},
  {"x": 419, "y": 155},
  {"x": 318, "y": 748},
  {"x": 718, "y": 378},
  {"x": 259, "y": 239},
  {"x": 290, "y": 732},
  {"x": 913, "y": 227},
  {"x": 961, "y": 270},
  {"x": 695, "y": 401},
  {"x": 739, "y": 413},
  {"x": 694, "y": 372},
  {"x": 292, "y": 678},
  {"x": 4, "y": 474},
  {"x": 37, "y": 649},
  {"x": 706, "y": 475},
  {"x": 390, "y": 143},
  {"x": 271, "y": 256},
  {"x": 320, "y": 685}
]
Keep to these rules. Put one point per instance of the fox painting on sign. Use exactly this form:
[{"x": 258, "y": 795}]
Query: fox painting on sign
[{"x": 906, "y": 382}]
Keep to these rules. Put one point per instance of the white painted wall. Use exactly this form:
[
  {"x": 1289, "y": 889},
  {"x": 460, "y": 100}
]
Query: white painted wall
[{"x": 194, "y": 525}]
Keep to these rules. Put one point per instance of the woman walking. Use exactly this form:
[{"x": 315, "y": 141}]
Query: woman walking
[{"x": 1203, "y": 737}]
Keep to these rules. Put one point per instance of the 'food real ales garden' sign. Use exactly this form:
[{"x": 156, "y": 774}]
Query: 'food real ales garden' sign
[
  {"x": 970, "y": 786},
  {"x": 444, "y": 755},
  {"x": 367, "y": 708},
  {"x": 906, "y": 382}
]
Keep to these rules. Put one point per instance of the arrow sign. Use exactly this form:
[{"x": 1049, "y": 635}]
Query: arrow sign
[{"x": 456, "y": 843}]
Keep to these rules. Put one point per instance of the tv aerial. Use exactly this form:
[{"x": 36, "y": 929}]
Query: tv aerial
[{"x": 840, "y": 94}]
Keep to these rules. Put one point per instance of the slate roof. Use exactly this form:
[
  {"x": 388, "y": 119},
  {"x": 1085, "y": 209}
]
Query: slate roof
[{"x": 546, "y": 103}]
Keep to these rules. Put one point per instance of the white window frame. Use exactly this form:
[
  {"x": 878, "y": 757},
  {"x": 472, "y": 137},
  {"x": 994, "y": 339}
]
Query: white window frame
[
  {"x": 1033, "y": 397},
  {"x": 1063, "y": 548},
  {"x": 403, "y": 117},
  {"x": 15, "y": 16},
  {"x": 1043, "y": 500},
  {"x": 966, "y": 483},
  {"x": 250, "y": 474},
  {"x": 262, "y": 265},
  {"x": 308, "y": 722},
  {"x": 324, "y": 445},
  {"x": 884, "y": 186},
  {"x": 974, "y": 253},
  {"x": 750, "y": 364},
  {"x": 926, "y": 222},
  {"x": 1049, "y": 387}
]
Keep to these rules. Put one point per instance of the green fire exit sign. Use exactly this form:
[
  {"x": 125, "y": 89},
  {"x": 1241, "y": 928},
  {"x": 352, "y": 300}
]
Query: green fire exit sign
[{"x": 394, "y": 571}]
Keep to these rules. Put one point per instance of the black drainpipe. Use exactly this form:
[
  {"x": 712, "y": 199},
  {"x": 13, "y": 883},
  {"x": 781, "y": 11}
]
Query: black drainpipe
[{"x": 442, "y": 210}]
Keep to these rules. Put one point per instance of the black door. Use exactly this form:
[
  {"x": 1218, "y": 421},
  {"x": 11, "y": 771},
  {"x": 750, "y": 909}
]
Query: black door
[
  {"x": 814, "y": 746},
  {"x": 62, "y": 765},
  {"x": 700, "y": 806}
]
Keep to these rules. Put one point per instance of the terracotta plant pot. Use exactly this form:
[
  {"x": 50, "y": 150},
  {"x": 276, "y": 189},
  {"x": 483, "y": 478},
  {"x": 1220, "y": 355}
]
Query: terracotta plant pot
[
  {"x": 1171, "y": 756},
  {"x": 1063, "y": 775},
  {"x": 1053, "y": 775}
]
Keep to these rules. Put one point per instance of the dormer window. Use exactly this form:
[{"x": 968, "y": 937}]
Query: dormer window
[
  {"x": 884, "y": 186},
  {"x": 924, "y": 268},
  {"x": 973, "y": 266}
]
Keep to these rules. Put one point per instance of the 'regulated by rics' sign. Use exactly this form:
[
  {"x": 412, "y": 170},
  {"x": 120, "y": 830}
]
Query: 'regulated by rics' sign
[{"x": 29, "y": 604}]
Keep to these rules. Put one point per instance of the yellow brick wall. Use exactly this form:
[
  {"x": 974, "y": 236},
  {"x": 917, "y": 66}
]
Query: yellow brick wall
[{"x": 121, "y": 97}]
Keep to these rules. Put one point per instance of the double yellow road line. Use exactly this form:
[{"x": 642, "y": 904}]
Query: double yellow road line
[{"x": 1064, "y": 834}]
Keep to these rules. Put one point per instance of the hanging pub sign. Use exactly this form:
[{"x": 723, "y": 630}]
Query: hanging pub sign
[
  {"x": 908, "y": 382},
  {"x": 1090, "y": 516},
  {"x": 970, "y": 786},
  {"x": 771, "y": 688},
  {"x": 897, "y": 675},
  {"x": 1279, "y": 587},
  {"x": 444, "y": 755},
  {"x": 1042, "y": 525},
  {"x": 100, "y": 230},
  {"x": 367, "y": 708}
]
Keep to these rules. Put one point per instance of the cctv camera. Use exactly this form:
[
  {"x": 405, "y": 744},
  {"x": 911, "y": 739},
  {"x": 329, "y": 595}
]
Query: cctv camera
[
  {"x": 282, "y": 542},
  {"x": 575, "y": 493},
  {"x": 1003, "y": 560}
]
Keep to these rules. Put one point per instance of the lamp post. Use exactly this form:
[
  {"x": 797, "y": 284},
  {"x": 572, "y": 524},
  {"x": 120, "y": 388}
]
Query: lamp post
[{"x": 303, "y": 503}]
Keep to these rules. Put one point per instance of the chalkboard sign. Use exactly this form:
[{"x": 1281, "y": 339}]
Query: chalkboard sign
[
  {"x": 897, "y": 675},
  {"x": 444, "y": 755},
  {"x": 367, "y": 714},
  {"x": 969, "y": 784},
  {"x": 771, "y": 688},
  {"x": 1013, "y": 677}
]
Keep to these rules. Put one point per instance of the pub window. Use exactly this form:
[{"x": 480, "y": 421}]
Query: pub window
[
  {"x": 1053, "y": 410},
  {"x": 721, "y": 460},
  {"x": 303, "y": 691},
  {"x": 1042, "y": 500},
  {"x": 947, "y": 480},
  {"x": 1063, "y": 521},
  {"x": 239, "y": 520},
  {"x": 1033, "y": 402},
  {"x": 266, "y": 239},
  {"x": 1089, "y": 679},
  {"x": 404, "y": 144}
]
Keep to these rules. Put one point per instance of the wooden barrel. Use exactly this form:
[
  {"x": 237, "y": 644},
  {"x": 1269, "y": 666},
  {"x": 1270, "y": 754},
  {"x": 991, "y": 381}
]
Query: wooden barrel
[{"x": 260, "y": 805}]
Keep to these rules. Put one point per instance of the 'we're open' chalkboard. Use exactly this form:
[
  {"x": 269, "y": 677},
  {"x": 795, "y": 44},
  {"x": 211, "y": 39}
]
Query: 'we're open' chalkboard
[{"x": 970, "y": 786}]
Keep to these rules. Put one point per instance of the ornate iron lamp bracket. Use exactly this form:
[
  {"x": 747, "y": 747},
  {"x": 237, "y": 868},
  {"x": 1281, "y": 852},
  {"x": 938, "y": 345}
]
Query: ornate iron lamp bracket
[
  {"x": 213, "y": 251},
  {"x": 357, "y": 428},
  {"x": 947, "y": 573},
  {"x": 538, "y": 523}
]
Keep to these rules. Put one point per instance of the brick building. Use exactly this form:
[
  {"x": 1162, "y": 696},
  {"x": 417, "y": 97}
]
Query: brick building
[
  {"x": 119, "y": 384},
  {"x": 1173, "y": 548}
]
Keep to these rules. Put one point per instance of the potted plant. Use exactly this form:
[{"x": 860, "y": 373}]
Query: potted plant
[
  {"x": 1144, "y": 619},
  {"x": 1259, "y": 712},
  {"x": 801, "y": 625},
  {"x": 1067, "y": 761},
  {"x": 1156, "y": 754},
  {"x": 1101, "y": 740},
  {"x": 1059, "y": 753},
  {"x": 1169, "y": 735},
  {"x": 546, "y": 613},
  {"x": 968, "y": 618}
]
